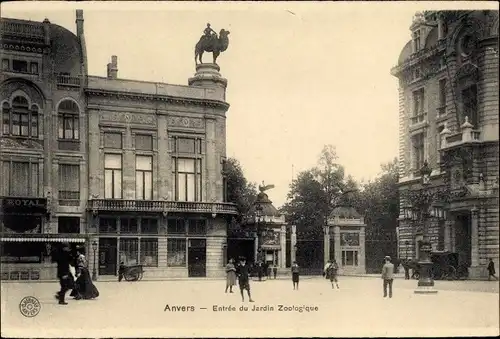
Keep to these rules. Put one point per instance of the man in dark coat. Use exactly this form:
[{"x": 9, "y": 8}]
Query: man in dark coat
[
  {"x": 243, "y": 274},
  {"x": 63, "y": 273},
  {"x": 491, "y": 270}
]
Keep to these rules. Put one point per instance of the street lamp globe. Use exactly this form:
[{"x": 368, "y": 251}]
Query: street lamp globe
[{"x": 94, "y": 245}]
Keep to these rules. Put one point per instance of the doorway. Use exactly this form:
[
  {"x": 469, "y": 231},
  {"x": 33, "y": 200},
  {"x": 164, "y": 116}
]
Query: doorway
[
  {"x": 197, "y": 257},
  {"x": 463, "y": 244},
  {"x": 107, "y": 256}
]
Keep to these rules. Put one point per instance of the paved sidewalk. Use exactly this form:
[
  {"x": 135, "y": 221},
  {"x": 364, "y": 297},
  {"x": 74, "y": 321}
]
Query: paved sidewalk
[{"x": 138, "y": 309}]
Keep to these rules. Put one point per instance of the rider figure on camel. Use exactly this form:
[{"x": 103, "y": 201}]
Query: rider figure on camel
[{"x": 209, "y": 33}]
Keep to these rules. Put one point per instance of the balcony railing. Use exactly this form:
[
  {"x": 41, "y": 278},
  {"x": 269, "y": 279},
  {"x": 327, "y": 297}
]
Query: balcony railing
[
  {"x": 66, "y": 80},
  {"x": 22, "y": 29},
  {"x": 418, "y": 118},
  {"x": 161, "y": 206}
]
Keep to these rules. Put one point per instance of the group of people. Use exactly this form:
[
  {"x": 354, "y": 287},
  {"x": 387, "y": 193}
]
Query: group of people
[
  {"x": 73, "y": 274},
  {"x": 241, "y": 272}
]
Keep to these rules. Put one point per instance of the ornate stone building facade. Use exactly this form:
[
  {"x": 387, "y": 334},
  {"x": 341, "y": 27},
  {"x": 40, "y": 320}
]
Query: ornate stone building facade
[
  {"x": 133, "y": 169},
  {"x": 448, "y": 98}
]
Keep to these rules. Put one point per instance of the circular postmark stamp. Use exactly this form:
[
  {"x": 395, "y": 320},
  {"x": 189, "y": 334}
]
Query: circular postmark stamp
[{"x": 29, "y": 306}]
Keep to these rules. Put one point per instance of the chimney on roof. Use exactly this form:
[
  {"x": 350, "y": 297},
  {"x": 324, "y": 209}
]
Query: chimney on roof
[
  {"x": 79, "y": 22},
  {"x": 113, "y": 68}
]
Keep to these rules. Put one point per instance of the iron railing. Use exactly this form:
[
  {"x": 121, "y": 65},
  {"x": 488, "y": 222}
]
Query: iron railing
[{"x": 161, "y": 206}]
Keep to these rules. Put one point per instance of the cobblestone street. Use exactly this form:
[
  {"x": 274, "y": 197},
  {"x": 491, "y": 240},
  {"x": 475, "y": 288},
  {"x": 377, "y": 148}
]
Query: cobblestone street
[{"x": 138, "y": 309}]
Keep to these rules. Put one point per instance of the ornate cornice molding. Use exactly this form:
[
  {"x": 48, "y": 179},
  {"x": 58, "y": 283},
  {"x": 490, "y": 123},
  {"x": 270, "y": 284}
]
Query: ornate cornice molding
[{"x": 152, "y": 97}]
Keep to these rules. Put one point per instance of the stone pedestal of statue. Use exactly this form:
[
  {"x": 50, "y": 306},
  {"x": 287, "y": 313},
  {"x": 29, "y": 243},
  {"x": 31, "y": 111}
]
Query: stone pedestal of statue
[{"x": 207, "y": 75}]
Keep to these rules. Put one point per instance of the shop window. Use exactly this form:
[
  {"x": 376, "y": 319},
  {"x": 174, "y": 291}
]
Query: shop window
[
  {"x": 113, "y": 140},
  {"x": 68, "y": 225},
  {"x": 28, "y": 252},
  {"x": 149, "y": 225},
  {"x": 22, "y": 223},
  {"x": 129, "y": 250},
  {"x": 108, "y": 225},
  {"x": 197, "y": 226},
  {"x": 176, "y": 252},
  {"x": 176, "y": 226},
  {"x": 128, "y": 225},
  {"x": 149, "y": 252},
  {"x": 349, "y": 258}
]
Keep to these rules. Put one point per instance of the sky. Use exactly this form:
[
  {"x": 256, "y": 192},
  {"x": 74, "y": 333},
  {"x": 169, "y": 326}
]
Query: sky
[{"x": 300, "y": 75}]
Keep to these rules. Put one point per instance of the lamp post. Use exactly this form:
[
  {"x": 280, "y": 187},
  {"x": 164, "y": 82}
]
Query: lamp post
[
  {"x": 258, "y": 215},
  {"x": 425, "y": 281},
  {"x": 94, "y": 248}
]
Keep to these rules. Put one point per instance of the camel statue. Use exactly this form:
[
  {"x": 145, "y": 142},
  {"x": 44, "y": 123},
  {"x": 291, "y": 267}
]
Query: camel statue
[{"x": 212, "y": 44}]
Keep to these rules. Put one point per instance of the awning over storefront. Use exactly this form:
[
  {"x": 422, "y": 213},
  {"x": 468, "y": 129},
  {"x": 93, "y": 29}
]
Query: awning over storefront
[{"x": 39, "y": 239}]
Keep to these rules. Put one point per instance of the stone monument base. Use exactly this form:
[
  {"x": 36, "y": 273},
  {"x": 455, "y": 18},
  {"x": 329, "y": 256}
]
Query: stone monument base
[{"x": 207, "y": 75}]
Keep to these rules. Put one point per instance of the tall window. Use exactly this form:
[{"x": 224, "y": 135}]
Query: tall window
[
  {"x": 187, "y": 179},
  {"x": 469, "y": 101},
  {"x": 176, "y": 252},
  {"x": 144, "y": 177},
  {"x": 129, "y": 251},
  {"x": 197, "y": 226},
  {"x": 108, "y": 225},
  {"x": 68, "y": 115},
  {"x": 69, "y": 183},
  {"x": 416, "y": 40},
  {"x": 149, "y": 252},
  {"x": 418, "y": 151},
  {"x": 19, "y": 179},
  {"x": 418, "y": 101},
  {"x": 19, "y": 119},
  {"x": 113, "y": 176}
]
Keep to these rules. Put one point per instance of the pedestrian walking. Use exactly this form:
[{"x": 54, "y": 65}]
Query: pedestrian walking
[
  {"x": 491, "y": 270},
  {"x": 388, "y": 276},
  {"x": 275, "y": 271},
  {"x": 66, "y": 280},
  {"x": 121, "y": 271},
  {"x": 242, "y": 272},
  {"x": 230, "y": 275},
  {"x": 331, "y": 271},
  {"x": 406, "y": 266},
  {"x": 295, "y": 275}
]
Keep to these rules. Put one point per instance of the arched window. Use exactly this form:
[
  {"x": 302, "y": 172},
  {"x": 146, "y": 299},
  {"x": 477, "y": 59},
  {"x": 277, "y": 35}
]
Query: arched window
[
  {"x": 68, "y": 114},
  {"x": 19, "y": 119}
]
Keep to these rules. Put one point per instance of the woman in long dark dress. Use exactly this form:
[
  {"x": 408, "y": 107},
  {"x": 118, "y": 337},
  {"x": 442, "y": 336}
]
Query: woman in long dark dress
[{"x": 86, "y": 287}]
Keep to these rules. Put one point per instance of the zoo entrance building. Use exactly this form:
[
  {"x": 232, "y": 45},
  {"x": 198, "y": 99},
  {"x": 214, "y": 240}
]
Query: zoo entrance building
[{"x": 132, "y": 170}]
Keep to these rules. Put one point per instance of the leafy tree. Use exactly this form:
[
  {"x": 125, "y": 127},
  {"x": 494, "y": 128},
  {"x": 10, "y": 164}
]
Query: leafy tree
[
  {"x": 316, "y": 192},
  {"x": 239, "y": 190}
]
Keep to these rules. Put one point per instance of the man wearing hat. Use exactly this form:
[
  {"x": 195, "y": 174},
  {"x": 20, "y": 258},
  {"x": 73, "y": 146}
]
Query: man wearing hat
[
  {"x": 388, "y": 275},
  {"x": 63, "y": 273}
]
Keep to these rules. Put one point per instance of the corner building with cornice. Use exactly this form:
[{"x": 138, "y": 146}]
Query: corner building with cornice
[
  {"x": 150, "y": 185},
  {"x": 448, "y": 116}
]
